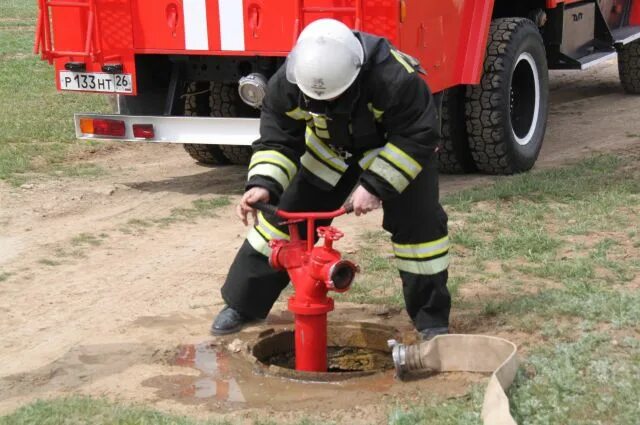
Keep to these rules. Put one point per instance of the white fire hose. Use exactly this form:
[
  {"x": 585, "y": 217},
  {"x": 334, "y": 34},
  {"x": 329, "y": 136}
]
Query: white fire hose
[{"x": 466, "y": 353}]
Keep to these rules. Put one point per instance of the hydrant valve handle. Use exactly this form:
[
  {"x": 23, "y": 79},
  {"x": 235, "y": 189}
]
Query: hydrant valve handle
[
  {"x": 265, "y": 208},
  {"x": 330, "y": 233},
  {"x": 348, "y": 207},
  {"x": 290, "y": 222}
]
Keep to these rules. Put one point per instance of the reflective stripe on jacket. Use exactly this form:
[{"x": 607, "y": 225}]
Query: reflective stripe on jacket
[{"x": 386, "y": 123}]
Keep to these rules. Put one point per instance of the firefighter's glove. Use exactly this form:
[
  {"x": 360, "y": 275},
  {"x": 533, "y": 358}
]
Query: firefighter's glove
[
  {"x": 251, "y": 196},
  {"x": 364, "y": 201}
]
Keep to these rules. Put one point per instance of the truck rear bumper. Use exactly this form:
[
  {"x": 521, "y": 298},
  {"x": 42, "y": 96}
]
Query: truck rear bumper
[{"x": 196, "y": 130}]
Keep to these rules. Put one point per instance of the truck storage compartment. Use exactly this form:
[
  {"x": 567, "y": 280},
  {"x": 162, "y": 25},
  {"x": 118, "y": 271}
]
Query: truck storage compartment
[
  {"x": 267, "y": 27},
  {"x": 214, "y": 26}
]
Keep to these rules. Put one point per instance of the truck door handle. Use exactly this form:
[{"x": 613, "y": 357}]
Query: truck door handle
[
  {"x": 254, "y": 19},
  {"x": 421, "y": 36},
  {"x": 172, "y": 17}
]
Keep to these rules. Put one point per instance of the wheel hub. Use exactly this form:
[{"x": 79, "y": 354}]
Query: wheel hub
[{"x": 524, "y": 99}]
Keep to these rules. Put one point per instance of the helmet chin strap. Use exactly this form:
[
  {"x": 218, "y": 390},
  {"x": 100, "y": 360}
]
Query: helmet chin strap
[
  {"x": 342, "y": 104},
  {"x": 316, "y": 106}
]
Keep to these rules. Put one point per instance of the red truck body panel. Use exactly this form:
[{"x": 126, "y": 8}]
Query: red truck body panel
[
  {"x": 447, "y": 36},
  {"x": 634, "y": 17}
]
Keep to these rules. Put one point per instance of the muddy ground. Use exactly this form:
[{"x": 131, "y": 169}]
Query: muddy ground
[{"x": 104, "y": 282}]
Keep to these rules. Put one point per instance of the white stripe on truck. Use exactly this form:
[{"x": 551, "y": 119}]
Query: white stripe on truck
[
  {"x": 196, "y": 36},
  {"x": 231, "y": 25}
]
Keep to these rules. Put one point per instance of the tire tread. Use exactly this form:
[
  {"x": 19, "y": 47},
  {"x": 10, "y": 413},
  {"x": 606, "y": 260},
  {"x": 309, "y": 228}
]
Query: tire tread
[
  {"x": 193, "y": 106},
  {"x": 453, "y": 154},
  {"x": 487, "y": 141},
  {"x": 629, "y": 67},
  {"x": 223, "y": 101}
]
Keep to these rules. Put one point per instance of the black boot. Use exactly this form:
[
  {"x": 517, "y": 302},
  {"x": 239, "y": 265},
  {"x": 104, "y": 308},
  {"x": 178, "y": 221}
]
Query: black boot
[
  {"x": 430, "y": 333},
  {"x": 229, "y": 321}
]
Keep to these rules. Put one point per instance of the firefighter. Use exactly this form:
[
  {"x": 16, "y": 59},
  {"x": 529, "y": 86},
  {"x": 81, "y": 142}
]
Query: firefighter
[{"x": 347, "y": 110}]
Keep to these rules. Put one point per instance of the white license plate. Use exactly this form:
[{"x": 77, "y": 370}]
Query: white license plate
[{"x": 96, "y": 81}]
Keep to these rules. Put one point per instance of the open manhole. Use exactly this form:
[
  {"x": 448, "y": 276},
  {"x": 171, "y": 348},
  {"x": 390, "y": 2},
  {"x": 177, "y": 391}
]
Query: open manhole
[{"x": 353, "y": 350}]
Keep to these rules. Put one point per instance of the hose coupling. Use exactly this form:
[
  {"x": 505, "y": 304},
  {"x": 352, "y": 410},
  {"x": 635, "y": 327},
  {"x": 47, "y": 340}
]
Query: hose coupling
[{"x": 399, "y": 354}]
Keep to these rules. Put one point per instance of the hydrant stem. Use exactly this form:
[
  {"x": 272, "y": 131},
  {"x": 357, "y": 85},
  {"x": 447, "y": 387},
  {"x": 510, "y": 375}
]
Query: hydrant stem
[{"x": 313, "y": 271}]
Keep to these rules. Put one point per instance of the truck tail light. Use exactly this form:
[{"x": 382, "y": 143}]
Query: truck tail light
[
  {"x": 403, "y": 10},
  {"x": 143, "y": 131},
  {"x": 102, "y": 127}
]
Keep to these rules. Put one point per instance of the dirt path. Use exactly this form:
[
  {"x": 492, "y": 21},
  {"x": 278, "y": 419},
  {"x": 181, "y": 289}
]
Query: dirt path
[{"x": 105, "y": 269}]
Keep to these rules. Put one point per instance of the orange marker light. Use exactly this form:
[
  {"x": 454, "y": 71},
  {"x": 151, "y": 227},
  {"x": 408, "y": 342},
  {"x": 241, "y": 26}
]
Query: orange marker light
[{"x": 86, "y": 125}]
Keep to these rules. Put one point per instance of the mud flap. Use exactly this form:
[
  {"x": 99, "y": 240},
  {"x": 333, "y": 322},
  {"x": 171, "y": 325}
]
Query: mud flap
[{"x": 467, "y": 353}]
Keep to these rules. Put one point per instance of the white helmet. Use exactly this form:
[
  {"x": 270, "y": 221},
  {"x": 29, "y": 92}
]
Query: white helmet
[{"x": 325, "y": 60}]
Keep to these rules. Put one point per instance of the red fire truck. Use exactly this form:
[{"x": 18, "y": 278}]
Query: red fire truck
[{"x": 194, "y": 71}]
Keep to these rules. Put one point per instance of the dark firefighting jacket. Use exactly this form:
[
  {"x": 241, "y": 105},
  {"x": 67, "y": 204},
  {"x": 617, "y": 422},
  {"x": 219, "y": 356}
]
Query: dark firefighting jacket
[{"x": 386, "y": 123}]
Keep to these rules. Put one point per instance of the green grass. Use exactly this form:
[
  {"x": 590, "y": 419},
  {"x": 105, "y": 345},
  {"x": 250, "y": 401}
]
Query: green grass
[
  {"x": 79, "y": 410},
  {"x": 589, "y": 381},
  {"x": 75, "y": 248},
  {"x": 139, "y": 223},
  {"x": 84, "y": 410},
  {"x": 554, "y": 253},
  {"x": 17, "y": 11},
  {"x": 83, "y": 170},
  {"x": 36, "y": 121},
  {"x": 304, "y": 421},
  {"x": 580, "y": 300},
  {"x": 457, "y": 411},
  {"x": 199, "y": 208},
  {"x": 4, "y": 276},
  {"x": 70, "y": 253},
  {"x": 578, "y": 182},
  {"x": 78, "y": 246},
  {"x": 378, "y": 282},
  {"x": 49, "y": 262},
  {"x": 87, "y": 239}
]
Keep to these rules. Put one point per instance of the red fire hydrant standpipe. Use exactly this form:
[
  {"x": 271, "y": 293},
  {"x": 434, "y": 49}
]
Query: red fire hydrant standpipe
[{"x": 314, "y": 271}]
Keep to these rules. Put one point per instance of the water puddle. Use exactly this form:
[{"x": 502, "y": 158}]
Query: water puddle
[
  {"x": 264, "y": 375},
  {"x": 216, "y": 380}
]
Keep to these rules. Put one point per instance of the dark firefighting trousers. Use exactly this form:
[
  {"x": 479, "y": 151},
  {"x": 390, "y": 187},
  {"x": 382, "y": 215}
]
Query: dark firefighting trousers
[{"x": 418, "y": 227}]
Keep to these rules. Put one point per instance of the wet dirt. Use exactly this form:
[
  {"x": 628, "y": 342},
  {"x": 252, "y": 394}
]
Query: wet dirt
[
  {"x": 78, "y": 367},
  {"x": 229, "y": 382},
  {"x": 106, "y": 321}
]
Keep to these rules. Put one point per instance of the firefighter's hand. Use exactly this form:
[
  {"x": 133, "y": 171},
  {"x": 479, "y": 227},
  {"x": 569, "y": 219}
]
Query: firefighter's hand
[
  {"x": 255, "y": 194},
  {"x": 364, "y": 201}
]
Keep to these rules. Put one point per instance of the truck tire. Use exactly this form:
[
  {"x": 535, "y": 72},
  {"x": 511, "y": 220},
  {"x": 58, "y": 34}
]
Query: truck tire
[
  {"x": 197, "y": 104},
  {"x": 629, "y": 67},
  {"x": 454, "y": 156},
  {"x": 206, "y": 154},
  {"x": 225, "y": 102},
  {"x": 217, "y": 99},
  {"x": 507, "y": 112},
  {"x": 240, "y": 155}
]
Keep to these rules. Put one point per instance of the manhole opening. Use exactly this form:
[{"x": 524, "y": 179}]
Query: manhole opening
[{"x": 353, "y": 350}]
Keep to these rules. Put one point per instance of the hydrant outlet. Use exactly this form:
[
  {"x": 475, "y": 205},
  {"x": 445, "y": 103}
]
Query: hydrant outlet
[{"x": 341, "y": 275}]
